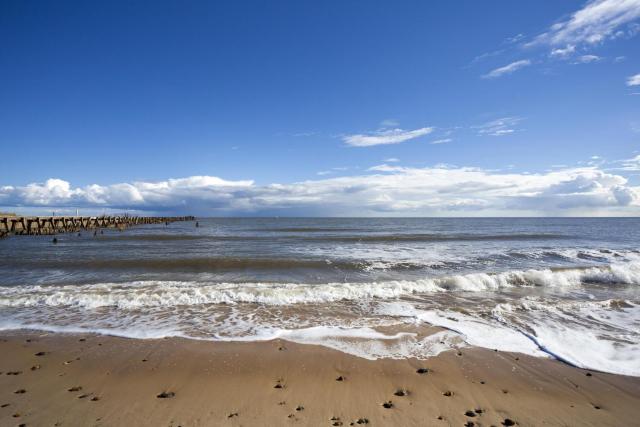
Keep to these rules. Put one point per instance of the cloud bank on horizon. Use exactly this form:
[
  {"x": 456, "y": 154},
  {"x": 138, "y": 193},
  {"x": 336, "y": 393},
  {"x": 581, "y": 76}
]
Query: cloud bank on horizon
[{"x": 384, "y": 190}]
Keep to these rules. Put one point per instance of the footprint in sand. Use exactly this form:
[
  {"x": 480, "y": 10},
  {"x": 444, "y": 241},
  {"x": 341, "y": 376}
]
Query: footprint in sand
[
  {"x": 40, "y": 353},
  {"x": 14, "y": 372},
  {"x": 340, "y": 378},
  {"x": 387, "y": 405},
  {"x": 75, "y": 388},
  {"x": 470, "y": 414},
  {"x": 4, "y": 405},
  {"x": 401, "y": 392},
  {"x": 20, "y": 391},
  {"x": 234, "y": 414},
  {"x": 422, "y": 371},
  {"x": 448, "y": 393},
  {"x": 35, "y": 367},
  {"x": 95, "y": 398},
  {"x": 300, "y": 408},
  {"x": 508, "y": 422}
]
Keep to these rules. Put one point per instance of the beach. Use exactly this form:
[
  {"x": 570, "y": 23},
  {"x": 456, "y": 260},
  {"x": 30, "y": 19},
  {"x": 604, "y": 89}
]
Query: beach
[{"x": 87, "y": 379}]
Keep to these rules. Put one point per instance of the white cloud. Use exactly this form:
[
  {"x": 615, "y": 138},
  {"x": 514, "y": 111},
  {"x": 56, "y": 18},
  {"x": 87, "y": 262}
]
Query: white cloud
[
  {"x": 389, "y": 123},
  {"x": 384, "y": 190},
  {"x": 385, "y": 136},
  {"x": 441, "y": 141},
  {"x": 596, "y": 22},
  {"x": 392, "y": 160},
  {"x": 499, "y": 127},
  {"x": 631, "y": 165},
  {"x": 515, "y": 38},
  {"x": 634, "y": 80},
  {"x": 586, "y": 59},
  {"x": 563, "y": 51},
  {"x": 507, "y": 69}
]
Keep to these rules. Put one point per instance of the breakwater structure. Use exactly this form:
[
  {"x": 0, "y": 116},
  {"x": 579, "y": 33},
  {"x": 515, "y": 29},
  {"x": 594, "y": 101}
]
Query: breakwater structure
[{"x": 36, "y": 225}]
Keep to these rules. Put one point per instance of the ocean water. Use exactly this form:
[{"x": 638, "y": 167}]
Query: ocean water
[{"x": 561, "y": 288}]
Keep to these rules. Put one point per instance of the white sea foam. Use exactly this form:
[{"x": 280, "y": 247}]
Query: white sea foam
[
  {"x": 601, "y": 335},
  {"x": 473, "y": 329}
]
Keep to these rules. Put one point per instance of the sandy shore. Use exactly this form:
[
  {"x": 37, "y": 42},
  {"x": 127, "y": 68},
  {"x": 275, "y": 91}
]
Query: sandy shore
[{"x": 80, "y": 380}]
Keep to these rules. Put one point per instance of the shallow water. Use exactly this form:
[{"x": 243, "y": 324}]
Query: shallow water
[{"x": 564, "y": 288}]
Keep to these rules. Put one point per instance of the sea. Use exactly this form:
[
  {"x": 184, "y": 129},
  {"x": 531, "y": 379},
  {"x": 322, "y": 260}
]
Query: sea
[{"x": 562, "y": 288}]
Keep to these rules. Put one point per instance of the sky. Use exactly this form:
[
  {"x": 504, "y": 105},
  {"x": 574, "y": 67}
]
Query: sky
[{"x": 333, "y": 108}]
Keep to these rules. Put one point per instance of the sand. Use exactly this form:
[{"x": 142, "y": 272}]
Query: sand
[{"x": 86, "y": 380}]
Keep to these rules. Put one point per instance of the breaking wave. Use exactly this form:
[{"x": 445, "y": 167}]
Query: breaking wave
[{"x": 131, "y": 295}]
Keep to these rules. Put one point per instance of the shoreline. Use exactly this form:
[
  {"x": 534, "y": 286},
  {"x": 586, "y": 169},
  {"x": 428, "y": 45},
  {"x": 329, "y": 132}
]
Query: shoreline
[{"x": 117, "y": 381}]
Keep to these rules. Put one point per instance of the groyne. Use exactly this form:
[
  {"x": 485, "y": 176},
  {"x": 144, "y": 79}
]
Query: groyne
[{"x": 36, "y": 225}]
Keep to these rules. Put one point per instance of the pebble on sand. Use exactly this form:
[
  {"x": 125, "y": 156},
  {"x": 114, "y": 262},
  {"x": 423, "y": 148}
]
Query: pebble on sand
[{"x": 166, "y": 395}]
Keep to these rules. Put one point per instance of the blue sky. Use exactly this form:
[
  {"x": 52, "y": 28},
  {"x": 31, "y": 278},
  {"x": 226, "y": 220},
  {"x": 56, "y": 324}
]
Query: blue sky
[{"x": 321, "y": 108}]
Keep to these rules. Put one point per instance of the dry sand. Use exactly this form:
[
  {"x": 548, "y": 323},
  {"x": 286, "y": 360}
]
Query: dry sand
[{"x": 85, "y": 380}]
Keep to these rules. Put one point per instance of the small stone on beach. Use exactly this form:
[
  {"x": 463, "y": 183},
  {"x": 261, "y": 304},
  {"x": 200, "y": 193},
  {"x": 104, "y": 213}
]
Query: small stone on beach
[{"x": 166, "y": 395}]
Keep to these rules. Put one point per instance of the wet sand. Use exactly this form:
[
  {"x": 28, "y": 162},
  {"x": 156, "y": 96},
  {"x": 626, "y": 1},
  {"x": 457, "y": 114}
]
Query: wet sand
[{"x": 83, "y": 380}]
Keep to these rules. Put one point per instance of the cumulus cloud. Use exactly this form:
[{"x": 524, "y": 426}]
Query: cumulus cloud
[
  {"x": 507, "y": 69},
  {"x": 499, "y": 127},
  {"x": 596, "y": 22},
  {"x": 383, "y": 190},
  {"x": 634, "y": 80},
  {"x": 385, "y": 136}
]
